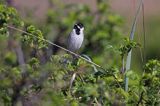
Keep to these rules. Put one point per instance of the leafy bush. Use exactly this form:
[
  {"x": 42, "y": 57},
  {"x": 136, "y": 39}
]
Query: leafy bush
[{"x": 28, "y": 76}]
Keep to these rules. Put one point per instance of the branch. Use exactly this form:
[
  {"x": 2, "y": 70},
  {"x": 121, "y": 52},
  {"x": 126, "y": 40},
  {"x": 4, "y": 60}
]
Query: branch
[
  {"x": 140, "y": 99},
  {"x": 17, "y": 87},
  {"x": 49, "y": 42}
]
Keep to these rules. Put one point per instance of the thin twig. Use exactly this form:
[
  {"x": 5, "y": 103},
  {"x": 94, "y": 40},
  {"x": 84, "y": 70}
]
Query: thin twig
[
  {"x": 49, "y": 42},
  {"x": 56, "y": 46},
  {"x": 98, "y": 104},
  {"x": 144, "y": 34},
  {"x": 140, "y": 99},
  {"x": 72, "y": 80},
  {"x": 144, "y": 37}
]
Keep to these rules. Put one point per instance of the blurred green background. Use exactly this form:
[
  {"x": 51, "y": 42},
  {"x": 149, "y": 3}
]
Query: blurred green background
[
  {"x": 106, "y": 23},
  {"x": 37, "y": 12},
  {"x": 127, "y": 9}
]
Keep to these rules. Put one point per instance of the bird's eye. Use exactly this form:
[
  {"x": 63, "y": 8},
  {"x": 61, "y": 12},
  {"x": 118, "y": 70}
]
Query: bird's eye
[{"x": 75, "y": 27}]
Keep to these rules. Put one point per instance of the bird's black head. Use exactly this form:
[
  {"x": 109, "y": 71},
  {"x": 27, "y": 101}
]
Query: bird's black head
[{"x": 78, "y": 27}]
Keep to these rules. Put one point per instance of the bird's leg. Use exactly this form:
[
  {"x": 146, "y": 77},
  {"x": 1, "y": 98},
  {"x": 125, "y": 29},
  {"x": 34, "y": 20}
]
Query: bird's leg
[{"x": 75, "y": 59}]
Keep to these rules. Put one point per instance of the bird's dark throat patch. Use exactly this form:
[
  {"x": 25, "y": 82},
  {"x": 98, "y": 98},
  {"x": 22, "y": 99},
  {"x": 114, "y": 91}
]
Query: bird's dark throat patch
[{"x": 77, "y": 29}]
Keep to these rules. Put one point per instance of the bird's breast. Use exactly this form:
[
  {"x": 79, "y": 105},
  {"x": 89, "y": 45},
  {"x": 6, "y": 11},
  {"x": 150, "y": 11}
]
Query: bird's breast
[{"x": 75, "y": 41}]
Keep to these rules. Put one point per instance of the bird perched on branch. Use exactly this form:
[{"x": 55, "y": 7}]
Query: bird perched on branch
[{"x": 76, "y": 37}]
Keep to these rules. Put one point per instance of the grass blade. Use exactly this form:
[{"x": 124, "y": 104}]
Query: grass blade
[{"x": 128, "y": 61}]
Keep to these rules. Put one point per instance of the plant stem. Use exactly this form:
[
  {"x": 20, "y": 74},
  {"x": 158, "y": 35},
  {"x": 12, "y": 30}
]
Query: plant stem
[{"x": 128, "y": 61}]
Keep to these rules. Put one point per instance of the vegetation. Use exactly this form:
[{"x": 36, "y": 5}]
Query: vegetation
[{"x": 34, "y": 72}]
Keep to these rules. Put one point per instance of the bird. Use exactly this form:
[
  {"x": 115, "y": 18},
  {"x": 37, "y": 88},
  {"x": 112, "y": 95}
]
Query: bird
[{"x": 76, "y": 37}]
